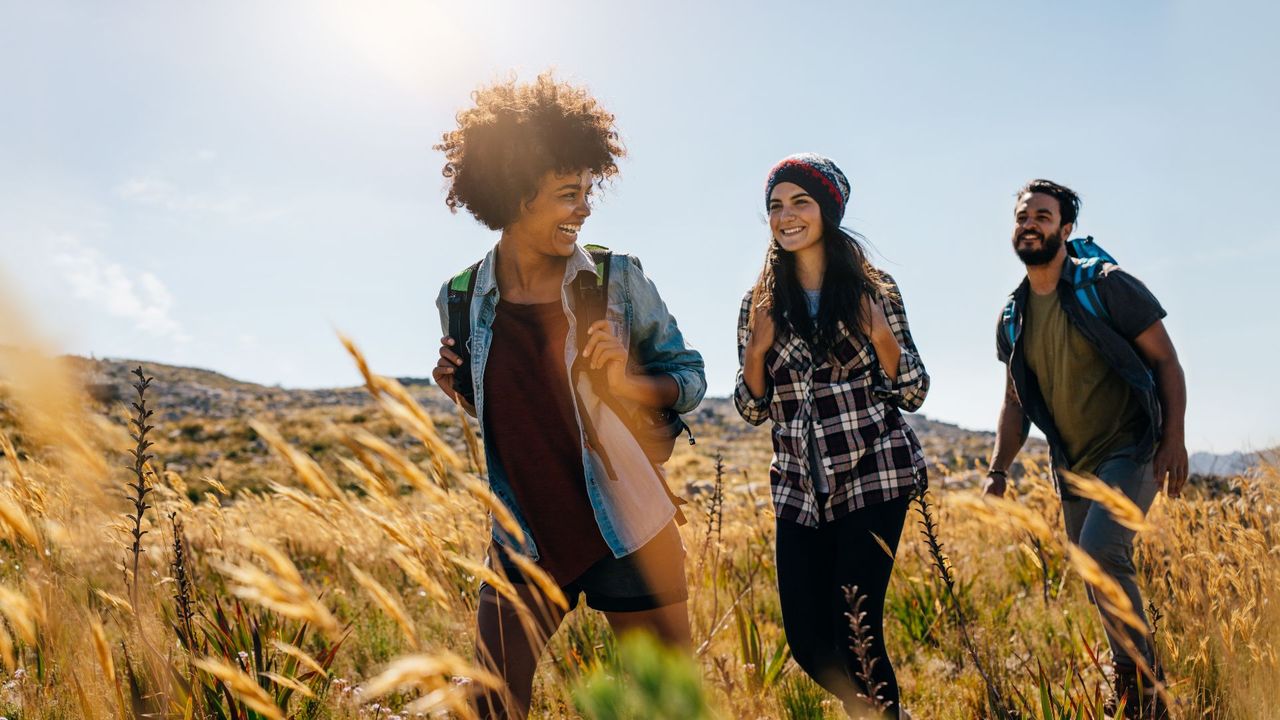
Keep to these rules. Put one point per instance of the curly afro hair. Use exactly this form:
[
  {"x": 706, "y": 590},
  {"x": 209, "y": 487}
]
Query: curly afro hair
[{"x": 514, "y": 135}]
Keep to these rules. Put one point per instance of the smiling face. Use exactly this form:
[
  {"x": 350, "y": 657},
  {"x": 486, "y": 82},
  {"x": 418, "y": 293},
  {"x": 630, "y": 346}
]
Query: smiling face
[
  {"x": 1038, "y": 231},
  {"x": 550, "y": 221},
  {"x": 794, "y": 217}
]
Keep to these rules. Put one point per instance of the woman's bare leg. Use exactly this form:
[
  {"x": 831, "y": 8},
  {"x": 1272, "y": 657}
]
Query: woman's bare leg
[
  {"x": 511, "y": 649},
  {"x": 670, "y": 624}
]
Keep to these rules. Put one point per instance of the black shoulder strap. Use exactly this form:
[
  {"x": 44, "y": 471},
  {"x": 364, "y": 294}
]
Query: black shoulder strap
[
  {"x": 462, "y": 289},
  {"x": 591, "y": 291}
]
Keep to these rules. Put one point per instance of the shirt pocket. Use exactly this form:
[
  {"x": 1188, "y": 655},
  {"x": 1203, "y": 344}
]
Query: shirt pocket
[{"x": 852, "y": 362}]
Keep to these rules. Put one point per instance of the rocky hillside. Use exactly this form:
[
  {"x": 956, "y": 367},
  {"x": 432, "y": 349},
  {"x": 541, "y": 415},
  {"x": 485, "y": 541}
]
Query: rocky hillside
[{"x": 202, "y": 426}]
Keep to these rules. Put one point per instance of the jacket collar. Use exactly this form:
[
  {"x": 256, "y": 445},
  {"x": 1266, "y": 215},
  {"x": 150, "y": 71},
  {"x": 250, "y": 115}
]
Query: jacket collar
[{"x": 487, "y": 275}]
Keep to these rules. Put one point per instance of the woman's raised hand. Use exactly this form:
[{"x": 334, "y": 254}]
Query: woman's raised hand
[
  {"x": 605, "y": 350},
  {"x": 761, "y": 331},
  {"x": 875, "y": 324},
  {"x": 449, "y": 361}
]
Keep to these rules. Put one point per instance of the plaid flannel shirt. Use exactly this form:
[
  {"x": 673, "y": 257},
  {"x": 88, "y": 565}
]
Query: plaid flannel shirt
[{"x": 868, "y": 451}]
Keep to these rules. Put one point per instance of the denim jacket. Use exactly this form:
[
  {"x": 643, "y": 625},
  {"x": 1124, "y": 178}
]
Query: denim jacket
[{"x": 634, "y": 506}]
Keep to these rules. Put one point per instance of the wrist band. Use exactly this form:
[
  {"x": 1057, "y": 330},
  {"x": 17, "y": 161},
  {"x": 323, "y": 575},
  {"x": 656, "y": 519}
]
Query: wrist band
[{"x": 1001, "y": 473}]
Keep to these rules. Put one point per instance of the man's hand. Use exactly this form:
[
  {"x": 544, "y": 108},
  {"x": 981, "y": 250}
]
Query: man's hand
[
  {"x": 995, "y": 484},
  {"x": 1171, "y": 462},
  {"x": 443, "y": 372}
]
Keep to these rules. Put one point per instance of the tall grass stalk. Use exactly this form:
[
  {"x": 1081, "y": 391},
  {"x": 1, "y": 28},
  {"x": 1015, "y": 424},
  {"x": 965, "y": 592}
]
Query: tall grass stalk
[
  {"x": 861, "y": 645},
  {"x": 929, "y": 530},
  {"x": 140, "y": 487}
]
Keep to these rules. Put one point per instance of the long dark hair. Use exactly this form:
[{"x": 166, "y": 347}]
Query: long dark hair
[{"x": 848, "y": 278}]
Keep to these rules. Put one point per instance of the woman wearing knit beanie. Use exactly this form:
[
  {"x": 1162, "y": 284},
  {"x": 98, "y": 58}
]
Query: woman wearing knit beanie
[{"x": 827, "y": 356}]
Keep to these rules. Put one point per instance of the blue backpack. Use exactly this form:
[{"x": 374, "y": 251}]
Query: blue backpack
[{"x": 1084, "y": 282}]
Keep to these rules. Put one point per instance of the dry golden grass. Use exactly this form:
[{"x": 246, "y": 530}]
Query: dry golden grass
[
  {"x": 378, "y": 546},
  {"x": 243, "y": 686}
]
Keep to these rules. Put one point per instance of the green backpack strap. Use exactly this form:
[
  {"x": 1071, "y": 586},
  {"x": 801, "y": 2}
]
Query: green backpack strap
[{"x": 462, "y": 289}]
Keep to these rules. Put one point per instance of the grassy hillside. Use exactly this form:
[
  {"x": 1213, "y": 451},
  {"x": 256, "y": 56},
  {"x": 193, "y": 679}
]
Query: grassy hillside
[{"x": 313, "y": 554}]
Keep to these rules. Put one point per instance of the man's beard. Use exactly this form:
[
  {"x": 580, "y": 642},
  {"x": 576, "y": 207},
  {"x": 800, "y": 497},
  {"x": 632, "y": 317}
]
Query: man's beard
[{"x": 1045, "y": 254}]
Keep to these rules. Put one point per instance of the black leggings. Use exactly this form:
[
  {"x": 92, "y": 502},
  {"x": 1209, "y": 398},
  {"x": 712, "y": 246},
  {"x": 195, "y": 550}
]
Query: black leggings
[{"x": 814, "y": 565}]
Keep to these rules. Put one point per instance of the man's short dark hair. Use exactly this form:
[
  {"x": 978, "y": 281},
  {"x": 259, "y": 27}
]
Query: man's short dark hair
[
  {"x": 1068, "y": 200},
  {"x": 516, "y": 133}
]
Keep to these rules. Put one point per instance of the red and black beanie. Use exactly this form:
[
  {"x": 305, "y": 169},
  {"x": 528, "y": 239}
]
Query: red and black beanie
[{"x": 819, "y": 176}]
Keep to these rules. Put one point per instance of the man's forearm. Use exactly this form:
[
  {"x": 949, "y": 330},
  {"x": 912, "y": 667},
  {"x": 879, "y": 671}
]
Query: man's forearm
[
  {"x": 1010, "y": 436},
  {"x": 1173, "y": 399}
]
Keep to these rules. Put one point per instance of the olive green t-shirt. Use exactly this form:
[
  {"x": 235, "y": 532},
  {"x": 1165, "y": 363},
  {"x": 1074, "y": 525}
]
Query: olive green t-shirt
[{"x": 1093, "y": 408}]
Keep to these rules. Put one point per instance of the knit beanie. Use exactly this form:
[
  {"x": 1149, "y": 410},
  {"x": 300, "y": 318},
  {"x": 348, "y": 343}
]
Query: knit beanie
[{"x": 819, "y": 177}]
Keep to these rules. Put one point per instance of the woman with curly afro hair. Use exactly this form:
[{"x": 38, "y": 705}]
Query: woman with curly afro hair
[{"x": 556, "y": 388}]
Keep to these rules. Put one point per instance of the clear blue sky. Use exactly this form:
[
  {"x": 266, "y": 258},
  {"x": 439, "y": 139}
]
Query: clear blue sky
[{"x": 223, "y": 184}]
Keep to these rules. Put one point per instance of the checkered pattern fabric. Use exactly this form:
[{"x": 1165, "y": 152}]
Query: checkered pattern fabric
[{"x": 869, "y": 452}]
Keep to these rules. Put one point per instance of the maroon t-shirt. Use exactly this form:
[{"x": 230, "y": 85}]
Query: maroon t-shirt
[{"x": 533, "y": 430}]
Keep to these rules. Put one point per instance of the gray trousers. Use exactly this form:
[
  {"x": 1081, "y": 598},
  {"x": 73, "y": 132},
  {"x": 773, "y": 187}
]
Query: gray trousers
[{"x": 1110, "y": 544}]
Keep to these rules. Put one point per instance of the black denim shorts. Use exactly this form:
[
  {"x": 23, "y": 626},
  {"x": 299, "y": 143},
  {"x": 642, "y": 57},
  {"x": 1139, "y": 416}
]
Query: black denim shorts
[{"x": 647, "y": 579}]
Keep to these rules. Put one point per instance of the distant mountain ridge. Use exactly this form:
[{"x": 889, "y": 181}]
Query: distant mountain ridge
[
  {"x": 197, "y": 391},
  {"x": 1230, "y": 464},
  {"x": 207, "y": 393}
]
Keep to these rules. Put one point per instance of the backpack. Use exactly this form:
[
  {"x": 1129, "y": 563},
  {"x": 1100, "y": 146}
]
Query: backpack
[
  {"x": 656, "y": 429},
  {"x": 1084, "y": 282}
]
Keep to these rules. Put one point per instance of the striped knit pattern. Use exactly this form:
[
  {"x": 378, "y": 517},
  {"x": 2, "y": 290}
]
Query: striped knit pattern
[{"x": 819, "y": 176}]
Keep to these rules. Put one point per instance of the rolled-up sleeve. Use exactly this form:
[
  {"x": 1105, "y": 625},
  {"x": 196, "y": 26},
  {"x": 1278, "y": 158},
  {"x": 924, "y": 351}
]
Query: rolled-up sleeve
[
  {"x": 909, "y": 388},
  {"x": 658, "y": 343},
  {"x": 1130, "y": 305},
  {"x": 752, "y": 409}
]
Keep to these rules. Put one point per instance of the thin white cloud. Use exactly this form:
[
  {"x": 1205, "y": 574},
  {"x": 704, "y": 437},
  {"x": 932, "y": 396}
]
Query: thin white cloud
[
  {"x": 107, "y": 285},
  {"x": 158, "y": 192}
]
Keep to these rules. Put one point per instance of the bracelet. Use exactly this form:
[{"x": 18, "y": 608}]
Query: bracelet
[{"x": 1001, "y": 473}]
